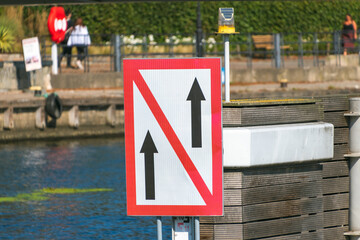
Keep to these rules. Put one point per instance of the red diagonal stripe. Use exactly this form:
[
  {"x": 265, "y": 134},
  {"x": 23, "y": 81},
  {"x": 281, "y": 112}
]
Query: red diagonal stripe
[{"x": 173, "y": 138}]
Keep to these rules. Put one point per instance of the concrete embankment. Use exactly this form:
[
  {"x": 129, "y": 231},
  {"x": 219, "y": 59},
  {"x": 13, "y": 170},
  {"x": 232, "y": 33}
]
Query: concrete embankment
[
  {"x": 85, "y": 114},
  {"x": 87, "y": 80},
  {"x": 13, "y": 76},
  {"x": 91, "y": 113}
]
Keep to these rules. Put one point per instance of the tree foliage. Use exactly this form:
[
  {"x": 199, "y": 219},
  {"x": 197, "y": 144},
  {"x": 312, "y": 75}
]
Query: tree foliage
[
  {"x": 180, "y": 17},
  {"x": 250, "y": 16}
]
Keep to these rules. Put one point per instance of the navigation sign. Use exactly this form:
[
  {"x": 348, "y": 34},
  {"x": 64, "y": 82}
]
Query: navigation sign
[{"x": 173, "y": 137}]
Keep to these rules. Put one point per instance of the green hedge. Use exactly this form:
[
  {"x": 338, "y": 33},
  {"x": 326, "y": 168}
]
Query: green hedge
[{"x": 250, "y": 16}]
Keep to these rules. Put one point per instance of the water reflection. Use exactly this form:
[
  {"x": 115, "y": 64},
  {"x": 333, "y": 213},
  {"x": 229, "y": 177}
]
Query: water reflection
[{"x": 98, "y": 163}]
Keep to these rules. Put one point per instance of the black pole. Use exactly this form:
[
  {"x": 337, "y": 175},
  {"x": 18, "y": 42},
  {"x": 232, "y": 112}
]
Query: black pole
[{"x": 199, "y": 35}]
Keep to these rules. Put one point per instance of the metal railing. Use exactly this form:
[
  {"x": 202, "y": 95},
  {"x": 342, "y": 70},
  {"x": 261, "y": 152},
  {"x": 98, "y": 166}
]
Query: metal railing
[
  {"x": 98, "y": 56},
  {"x": 280, "y": 50}
]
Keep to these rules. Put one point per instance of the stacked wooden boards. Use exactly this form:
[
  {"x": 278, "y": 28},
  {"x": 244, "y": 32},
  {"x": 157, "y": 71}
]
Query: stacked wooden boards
[
  {"x": 336, "y": 171},
  {"x": 297, "y": 201}
]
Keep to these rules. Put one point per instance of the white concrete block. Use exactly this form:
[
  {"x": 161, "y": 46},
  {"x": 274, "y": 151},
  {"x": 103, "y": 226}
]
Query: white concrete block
[{"x": 274, "y": 144}]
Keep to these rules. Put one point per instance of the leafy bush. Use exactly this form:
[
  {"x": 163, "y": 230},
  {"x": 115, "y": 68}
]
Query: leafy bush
[
  {"x": 250, "y": 16},
  {"x": 180, "y": 17},
  {"x": 7, "y": 40}
]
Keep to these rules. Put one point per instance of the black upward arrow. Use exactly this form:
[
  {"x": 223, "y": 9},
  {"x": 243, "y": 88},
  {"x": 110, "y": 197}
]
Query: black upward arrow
[
  {"x": 196, "y": 96},
  {"x": 148, "y": 148}
]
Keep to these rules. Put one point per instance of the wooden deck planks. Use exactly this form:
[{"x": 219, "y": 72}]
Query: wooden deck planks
[
  {"x": 288, "y": 208},
  {"x": 336, "y": 118},
  {"x": 335, "y": 169},
  {"x": 267, "y": 176},
  {"x": 335, "y": 185},
  {"x": 336, "y": 202},
  {"x": 305, "y": 201},
  {"x": 268, "y": 115}
]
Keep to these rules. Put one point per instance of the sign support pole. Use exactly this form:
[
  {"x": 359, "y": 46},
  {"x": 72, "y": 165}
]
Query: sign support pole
[
  {"x": 159, "y": 228},
  {"x": 199, "y": 36},
  {"x": 54, "y": 58},
  {"x": 197, "y": 228},
  {"x": 227, "y": 67}
]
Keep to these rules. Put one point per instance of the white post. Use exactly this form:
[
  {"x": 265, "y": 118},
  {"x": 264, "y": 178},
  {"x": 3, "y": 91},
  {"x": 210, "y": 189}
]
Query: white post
[
  {"x": 159, "y": 228},
  {"x": 354, "y": 213},
  {"x": 197, "y": 228},
  {"x": 227, "y": 67},
  {"x": 354, "y": 145},
  {"x": 54, "y": 58}
]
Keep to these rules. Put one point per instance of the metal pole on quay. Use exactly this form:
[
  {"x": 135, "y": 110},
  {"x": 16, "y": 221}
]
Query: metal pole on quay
[
  {"x": 199, "y": 35},
  {"x": 54, "y": 58},
  {"x": 227, "y": 67},
  {"x": 226, "y": 27},
  {"x": 354, "y": 156}
]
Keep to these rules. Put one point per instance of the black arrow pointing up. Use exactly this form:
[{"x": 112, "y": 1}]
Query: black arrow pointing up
[
  {"x": 196, "y": 96},
  {"x": 149, "y": 148}
]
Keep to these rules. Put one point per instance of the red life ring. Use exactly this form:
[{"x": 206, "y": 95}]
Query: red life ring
[{"x": 57, "y": 24}]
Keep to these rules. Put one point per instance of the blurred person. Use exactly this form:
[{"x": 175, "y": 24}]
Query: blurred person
[
  {"x": 67, "y": 50},
  {"x": 349, "y": 34},
  {"x": 80, "y": 38}
]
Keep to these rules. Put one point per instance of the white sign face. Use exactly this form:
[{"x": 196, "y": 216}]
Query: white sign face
[
  {"x": 173, "y": 128},
  {"x": 32, "y": 57},
  {"x": 168, "y": 168}
]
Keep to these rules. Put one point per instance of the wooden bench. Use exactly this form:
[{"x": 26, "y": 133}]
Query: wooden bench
[{"x": 265, "y": 42}]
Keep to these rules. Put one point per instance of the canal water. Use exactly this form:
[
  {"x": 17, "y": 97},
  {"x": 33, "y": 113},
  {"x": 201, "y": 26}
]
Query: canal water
[{"x": 26, "y": 168}]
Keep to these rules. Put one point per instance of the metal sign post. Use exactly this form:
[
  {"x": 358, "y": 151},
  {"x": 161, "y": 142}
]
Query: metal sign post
[
  {"x": 227, "y": 67},
  {"x": 159, "y": 228},
  {"x": 197, "y": 228},
  {"x": 226, "y": 27},
  {"x": 173, "y": 140}
]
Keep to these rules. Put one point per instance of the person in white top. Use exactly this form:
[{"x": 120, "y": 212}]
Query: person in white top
[{"x": 80, "y": 38}]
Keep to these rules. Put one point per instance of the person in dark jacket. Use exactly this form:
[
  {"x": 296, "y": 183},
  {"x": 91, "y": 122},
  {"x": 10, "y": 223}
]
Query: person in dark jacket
[
  {"x": 349, "y": 34},
  {"x": 67, "y": 50}
]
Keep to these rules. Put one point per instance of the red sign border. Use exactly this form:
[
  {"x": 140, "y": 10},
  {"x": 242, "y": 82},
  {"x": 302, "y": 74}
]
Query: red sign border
[{"x": 214, "y": 202}]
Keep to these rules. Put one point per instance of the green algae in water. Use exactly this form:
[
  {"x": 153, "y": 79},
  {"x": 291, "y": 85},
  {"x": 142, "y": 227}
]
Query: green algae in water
[
  {"x": 73, "y": 190},
  {"x": 24, "y": 197},
  {"x": 8, "y": 199},
  {"x": 34, "y": 196},
  {"x": 42, "y": 194}
]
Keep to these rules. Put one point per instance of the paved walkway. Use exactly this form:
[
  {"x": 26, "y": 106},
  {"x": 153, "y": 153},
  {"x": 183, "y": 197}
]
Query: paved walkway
[
  {"x": 297, "y": 86},
  {"x": 18, "y": 95},
  {"x": 273, "y": 90}
]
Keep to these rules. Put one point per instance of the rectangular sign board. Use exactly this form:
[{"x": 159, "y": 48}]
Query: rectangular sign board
[
  {"x": 32, "y": 57},
  {"x": 173, "y": 137}
]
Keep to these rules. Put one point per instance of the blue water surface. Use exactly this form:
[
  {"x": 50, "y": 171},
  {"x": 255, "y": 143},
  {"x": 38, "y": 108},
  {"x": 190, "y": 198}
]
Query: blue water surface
[{"x": 26, "y": 167}]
